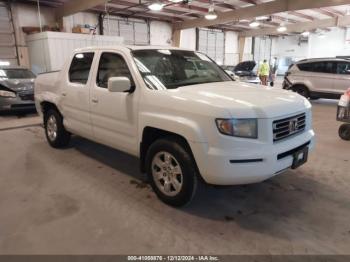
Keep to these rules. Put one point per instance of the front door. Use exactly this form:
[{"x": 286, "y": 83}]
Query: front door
[{"x": 114, "y": 114}]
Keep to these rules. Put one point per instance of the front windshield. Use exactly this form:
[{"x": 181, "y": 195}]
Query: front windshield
[
  {"x": 168, "y": 69},
  {"x": 16, "y": 74}
]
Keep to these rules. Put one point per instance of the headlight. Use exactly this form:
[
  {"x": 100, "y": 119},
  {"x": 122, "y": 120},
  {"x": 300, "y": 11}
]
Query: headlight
[
  {"x": 7, "y": 94},
  {"x": 247, "y": 128}
]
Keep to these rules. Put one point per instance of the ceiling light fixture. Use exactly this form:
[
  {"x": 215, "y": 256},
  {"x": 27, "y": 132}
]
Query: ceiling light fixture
[
  {"x": 254, "y": 24},
  {"x": 262, "y": 18},
  {"x": 4, "y": 63},
  {"x": 156, "y": 6},
  {"x": 211, "y": 15},
  {"x": 282, "y": 28}
]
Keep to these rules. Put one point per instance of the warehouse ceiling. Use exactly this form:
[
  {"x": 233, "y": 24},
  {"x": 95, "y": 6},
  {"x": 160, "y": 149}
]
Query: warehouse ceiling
[{"x": 186, "y": 15}]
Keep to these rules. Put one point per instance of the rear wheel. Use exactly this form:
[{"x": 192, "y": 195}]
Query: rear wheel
[
  {"x": 56, "y": 134},
  {"x": 344, "y": 132},
  {"x": 171, "y": 171},
  {"x": 301, "y": 90}
]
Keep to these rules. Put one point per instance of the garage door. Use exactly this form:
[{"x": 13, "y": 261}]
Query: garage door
[
  {"x": 212, "y": 43},
  {"x": 7, "y": 39},
  {"x": 134, "y": 31},
  {"x": 262, "y": 49}
]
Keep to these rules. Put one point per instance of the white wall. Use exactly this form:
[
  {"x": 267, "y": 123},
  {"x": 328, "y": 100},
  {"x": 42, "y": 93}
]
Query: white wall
[
  {"x": 188, "y": 38},
  {"x": 160, "y": 33},
  {"x": 333, "y": 44},
  {"x": 289, "y": 46}
]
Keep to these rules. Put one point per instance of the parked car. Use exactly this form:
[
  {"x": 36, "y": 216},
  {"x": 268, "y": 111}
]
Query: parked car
[
  {"x": 184, "y": 127},
  {"x": 228, "y": 68},
  {"x": 319, "y": 78},
  {"x": 229, "y": 71},
  {"x": 245, "y": 72},
  {"x": 16, "y": 89},
  {"x": 232, "y": 75}
]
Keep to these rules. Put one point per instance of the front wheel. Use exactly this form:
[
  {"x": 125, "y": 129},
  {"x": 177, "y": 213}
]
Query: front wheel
[
  {"x": 171, "y": 171},
  {"x": 344, "y": 132},
  {"x": 56, "y": 134}
]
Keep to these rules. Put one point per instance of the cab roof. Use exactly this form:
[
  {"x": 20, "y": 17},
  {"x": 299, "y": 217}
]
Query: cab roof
[
  {"x": 324, "y": 59},
  {"x": 129, "y": 47}
]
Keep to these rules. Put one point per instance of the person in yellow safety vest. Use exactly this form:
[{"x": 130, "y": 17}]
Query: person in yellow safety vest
[{"x": 264, "y": 71}]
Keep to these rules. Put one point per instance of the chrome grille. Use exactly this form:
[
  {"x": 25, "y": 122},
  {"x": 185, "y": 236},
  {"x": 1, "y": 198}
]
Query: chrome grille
[{"x": 286, "y": 127}]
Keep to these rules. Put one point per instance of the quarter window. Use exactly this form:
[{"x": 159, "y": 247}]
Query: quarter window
[
  {"x": 305, "y": 67},
  {"x": 80, "y": 68},
  {"x": 112, "y": 65},
  {"x": 343, "y": 68}
]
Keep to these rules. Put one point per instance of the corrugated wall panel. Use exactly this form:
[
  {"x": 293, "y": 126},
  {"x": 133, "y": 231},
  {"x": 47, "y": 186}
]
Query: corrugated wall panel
[
  {"x": 8, "y": 51},
  {"x": 212, "y": 43},
  {"x": 134, "y": 31}
]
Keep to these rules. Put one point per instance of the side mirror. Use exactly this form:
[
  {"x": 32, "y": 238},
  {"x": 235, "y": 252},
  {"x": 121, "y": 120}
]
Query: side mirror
[{"x": 119, "y": 84}]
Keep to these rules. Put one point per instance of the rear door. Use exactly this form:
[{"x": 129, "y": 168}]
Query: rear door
[
  {"x": 319, "y": 76},
  {"x": 342, "y": 81},
  {"x": 76, "y": 95}
]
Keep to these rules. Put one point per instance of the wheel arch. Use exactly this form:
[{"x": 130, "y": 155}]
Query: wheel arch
[
  {"x": 151, "y": 134},
  {"x": 45, "y": 106}
]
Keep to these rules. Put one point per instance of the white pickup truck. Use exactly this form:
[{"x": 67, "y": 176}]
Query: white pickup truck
[{"x": 186, "y": 123}]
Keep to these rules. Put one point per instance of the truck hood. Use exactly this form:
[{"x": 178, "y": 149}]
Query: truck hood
[{"x": 243, "y": 100}]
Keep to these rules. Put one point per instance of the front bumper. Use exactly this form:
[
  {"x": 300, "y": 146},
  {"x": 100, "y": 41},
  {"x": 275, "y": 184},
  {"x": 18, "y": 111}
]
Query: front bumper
[
  {"x": 234, "y": 165},
  {"x": 286, "y": 84},
  {"x": 18, "y": 103}
]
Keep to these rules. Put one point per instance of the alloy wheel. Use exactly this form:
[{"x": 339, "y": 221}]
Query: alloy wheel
[{"x": 167, "y": 173}]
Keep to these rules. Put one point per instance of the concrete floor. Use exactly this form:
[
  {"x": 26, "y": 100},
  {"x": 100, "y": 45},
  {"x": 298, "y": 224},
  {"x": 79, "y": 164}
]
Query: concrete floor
[{"x": 89, "y": 199}]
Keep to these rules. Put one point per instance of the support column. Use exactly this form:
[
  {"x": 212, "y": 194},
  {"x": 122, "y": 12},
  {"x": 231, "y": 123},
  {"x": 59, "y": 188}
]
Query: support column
[
  {"x": 241, "y": 44},
  {"x": 176, "y": 38}
]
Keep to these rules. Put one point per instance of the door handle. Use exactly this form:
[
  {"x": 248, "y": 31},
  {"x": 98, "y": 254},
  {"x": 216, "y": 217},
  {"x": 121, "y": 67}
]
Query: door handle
[
  {"x": 64, "y": 94},
  {"x": 94, "y": 100}
]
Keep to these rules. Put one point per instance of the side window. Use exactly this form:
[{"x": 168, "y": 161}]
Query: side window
[
  {"x": 80, "y": 68},
  {"x": 112, "y": 65},
  {"x": 327, "y": 67},
  {"x": 343, "y": 68},
  {"x": 305, "y": 67},
  {"x": 318, "y": 67}
]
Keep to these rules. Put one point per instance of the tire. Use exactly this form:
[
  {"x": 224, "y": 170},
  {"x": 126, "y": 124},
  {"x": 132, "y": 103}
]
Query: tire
[
  {"x": 56, "y": 134},
  {"x": 344, "y": 132},
  {"x": 174, "y": 181},
  {"x": 301, "y": 90}
]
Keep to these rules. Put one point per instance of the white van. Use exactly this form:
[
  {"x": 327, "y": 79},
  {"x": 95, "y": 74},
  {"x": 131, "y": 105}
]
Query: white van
[{"x": 319, "y": 78}]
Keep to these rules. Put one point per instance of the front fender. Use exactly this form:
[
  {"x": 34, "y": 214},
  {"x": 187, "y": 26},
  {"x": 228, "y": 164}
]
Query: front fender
[{"x": 187, "y": 128}]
